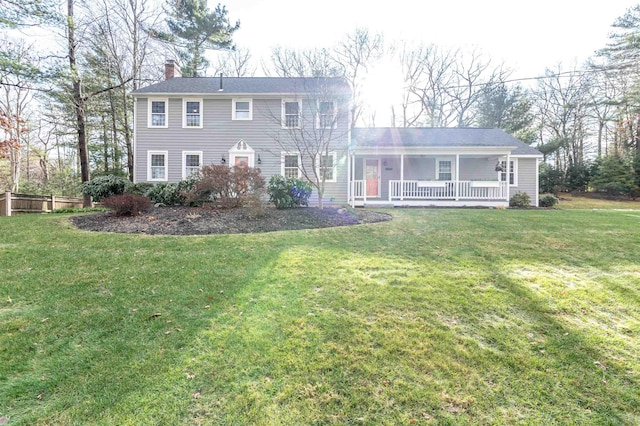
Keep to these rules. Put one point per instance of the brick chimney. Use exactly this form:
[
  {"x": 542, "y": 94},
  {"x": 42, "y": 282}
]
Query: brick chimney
[{"x": 171, "y": 69}]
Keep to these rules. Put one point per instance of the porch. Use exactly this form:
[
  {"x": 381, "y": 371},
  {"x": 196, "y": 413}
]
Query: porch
[{"x": 421, "y": 179}]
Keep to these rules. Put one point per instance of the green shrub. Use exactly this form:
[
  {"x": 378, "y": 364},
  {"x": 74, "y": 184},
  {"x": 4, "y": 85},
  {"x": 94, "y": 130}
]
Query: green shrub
[
  {"x": 105, "y": 186},
  {"x": 288, "y": 193},
  {"x": 140, "y": 188},
  {"x": 548, "y": 201},
  {"x": 127, "y": 204},
  {"x": 172, "y": 194},
  {"x": 227, "y": 187},
  {"x": 520, "y": 199}
]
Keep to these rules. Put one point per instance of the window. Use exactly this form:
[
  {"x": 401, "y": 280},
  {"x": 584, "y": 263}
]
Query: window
[
  {"x": 444, "y": 170},
  {"x": 290, "y": 165},
  {"x": 326, "y": 115},
  {"x": 157, "y": 166},
  {"x": 191, "y": 163},
  {"x": 158, "y": 113},
  {"x": 192, "y": 113},
  {"x": 242, "y": 109},
  {"x": 291, "y": 114},
  {"x": 327, "y": 167},
  {"x": 512, "y": 172}
]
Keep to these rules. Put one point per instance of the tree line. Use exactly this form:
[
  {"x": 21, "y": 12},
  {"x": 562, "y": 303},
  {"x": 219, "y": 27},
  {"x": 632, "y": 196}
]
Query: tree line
[{"x": 66, "y": 114}]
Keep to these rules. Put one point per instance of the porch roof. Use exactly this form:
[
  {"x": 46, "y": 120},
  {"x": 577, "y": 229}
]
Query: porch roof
[{"x": 389, "y": 138}]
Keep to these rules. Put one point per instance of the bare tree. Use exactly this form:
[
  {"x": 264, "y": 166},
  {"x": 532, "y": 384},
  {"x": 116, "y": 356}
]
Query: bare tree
[
  {"x": 315, "y": 127},
  {"x": 235, "y": 63}
]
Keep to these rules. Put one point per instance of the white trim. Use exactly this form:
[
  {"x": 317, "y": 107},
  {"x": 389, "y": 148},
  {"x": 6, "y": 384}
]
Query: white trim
[
  {"x": 184, "y": 161},
  {"x": 335, "y": 169},
  {"x": 166, "y": 165},
  {"x": 184, "y": 112},
  {"x": 284, "y": 154},
  {"x": 234, "y": 110},
  {"x": 515, "y": 171},
  {"x": 334, "y": 121},
  {"x": 241, "y": 149},
  {"x": 135, "y": 140},
  {"x": 150, "y": 114},
  {"x": 283, "y": 118},
  {"x": 537, "y": 203}
]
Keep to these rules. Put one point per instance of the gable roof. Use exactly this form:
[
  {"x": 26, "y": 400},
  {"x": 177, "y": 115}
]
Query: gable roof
[
  {"x": 390, "y": 137},
  {"x": 248, "y": 85}
]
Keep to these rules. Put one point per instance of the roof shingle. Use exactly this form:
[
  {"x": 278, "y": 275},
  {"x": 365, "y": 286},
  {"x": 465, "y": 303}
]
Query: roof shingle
[{"x": 437, "y": 137}]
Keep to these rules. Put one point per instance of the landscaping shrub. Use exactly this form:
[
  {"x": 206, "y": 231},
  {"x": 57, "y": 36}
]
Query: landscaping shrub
[
  {"x": 127, "y": 204},
  {"x": 105, "y": 186},
  {"x": 227, "y": 187},
  {"x": 548, "y": 201},
  {"x": 172, "y": 194},
  {"x": 141, "y": 188},
  {"x": 288, "y": 193},
  {"x": 520, "y": 199}
]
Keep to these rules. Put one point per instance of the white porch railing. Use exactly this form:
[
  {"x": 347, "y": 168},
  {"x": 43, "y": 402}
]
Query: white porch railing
[
  {"x": 447, "y": 190},
  {"x": 357, "y": 188}
]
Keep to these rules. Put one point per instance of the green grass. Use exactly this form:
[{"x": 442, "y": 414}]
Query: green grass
[
  {"x": 440, "y": 316},
  {"x": 568, "y": 201}
]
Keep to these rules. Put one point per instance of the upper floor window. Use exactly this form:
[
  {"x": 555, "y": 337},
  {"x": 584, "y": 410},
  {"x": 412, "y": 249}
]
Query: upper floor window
[
  {"x": 444, "y": 170},
  {"x": 326, "y": 115},
  {"x": 512, "y": 172},
  {"x": 192, "y": 113},
  {"x": 291, "y": 165},
  {"x": 291, "y": 113},
  {"x": 242, "y": 109},
  {"x": 327, "y": 167},
  {"x": 191, "y": 163},
  {"x": 158, "y": 112}
]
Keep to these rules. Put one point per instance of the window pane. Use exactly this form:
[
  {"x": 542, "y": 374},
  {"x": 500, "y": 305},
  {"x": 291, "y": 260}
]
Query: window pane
[
  {"x": 193, "y": 120},
  {"x": 157, "y": 107},
  {"x": 157, "y": 160},
  {"x": 158, "y": 119},
  {"x": 326, "y": 107},
  {"x": 291, "y": 108},
  {"x": 192, "y": 160},
  {"x": 242, "y": 114},
  {"x": 242, "y": 106},
  {"x": 193, "y": 107},
  {"x": 291, "y": 161}
]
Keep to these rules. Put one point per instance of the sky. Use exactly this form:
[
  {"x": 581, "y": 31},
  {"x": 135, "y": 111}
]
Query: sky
[{"x": 528, "y": 36}]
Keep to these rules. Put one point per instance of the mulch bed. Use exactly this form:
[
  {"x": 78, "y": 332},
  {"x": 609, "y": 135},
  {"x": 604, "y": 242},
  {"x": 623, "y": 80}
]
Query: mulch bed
[{"x": 203, "y": 221}]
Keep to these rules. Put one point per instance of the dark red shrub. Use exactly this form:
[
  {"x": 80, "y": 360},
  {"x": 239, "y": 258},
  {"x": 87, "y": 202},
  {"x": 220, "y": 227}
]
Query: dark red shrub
[
  {"x": 127, "y": 204},
  {"x": 226, "y": 187}
]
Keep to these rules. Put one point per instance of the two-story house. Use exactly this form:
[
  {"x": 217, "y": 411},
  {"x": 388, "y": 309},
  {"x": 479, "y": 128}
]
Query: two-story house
[
  {"x": 300, "y": 127},
  {"x": 296, "y": 127}
]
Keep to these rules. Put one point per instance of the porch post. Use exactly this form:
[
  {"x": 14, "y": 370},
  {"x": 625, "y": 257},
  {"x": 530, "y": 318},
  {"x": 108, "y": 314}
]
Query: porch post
[
  {"x": 349, "y": 179},
  {"x": 364, "y": 176},
  {"x": 401, "y": 177},
  {"x": 507, "y": 184},
  {"x": 457, "y": 187}
]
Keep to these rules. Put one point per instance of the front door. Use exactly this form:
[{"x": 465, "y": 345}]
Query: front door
[
  {"x": 241, "y": 160},
  {"x": 372, "y": 176}
]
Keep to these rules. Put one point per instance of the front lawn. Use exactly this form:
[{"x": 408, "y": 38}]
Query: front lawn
[{"x": 441, "y": 316}]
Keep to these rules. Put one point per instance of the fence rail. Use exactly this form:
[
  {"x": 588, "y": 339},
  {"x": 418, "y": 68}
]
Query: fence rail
[{"x": 13, "y": 203}]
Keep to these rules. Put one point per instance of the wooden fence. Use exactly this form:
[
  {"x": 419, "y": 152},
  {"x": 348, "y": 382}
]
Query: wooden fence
[{"x": 11, "y": 203}]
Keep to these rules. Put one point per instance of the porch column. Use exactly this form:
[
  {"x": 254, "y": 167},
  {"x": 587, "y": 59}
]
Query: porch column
[
  {"x": 507, "y": 177},
  {"x": 364, "y": 177},
  {"x": 401, "y": 177},
  {"x": 349, "y": 180},
  {"x": 457, "y": 187}
]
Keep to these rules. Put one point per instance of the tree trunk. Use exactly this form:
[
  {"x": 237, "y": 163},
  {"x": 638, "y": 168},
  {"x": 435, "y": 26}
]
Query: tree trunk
[{"x": 79, "y": 103}]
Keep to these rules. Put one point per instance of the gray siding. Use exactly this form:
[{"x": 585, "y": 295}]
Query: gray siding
[
  {"x": 527, "y": 169},
  {"x": 220, "y": 133}
]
